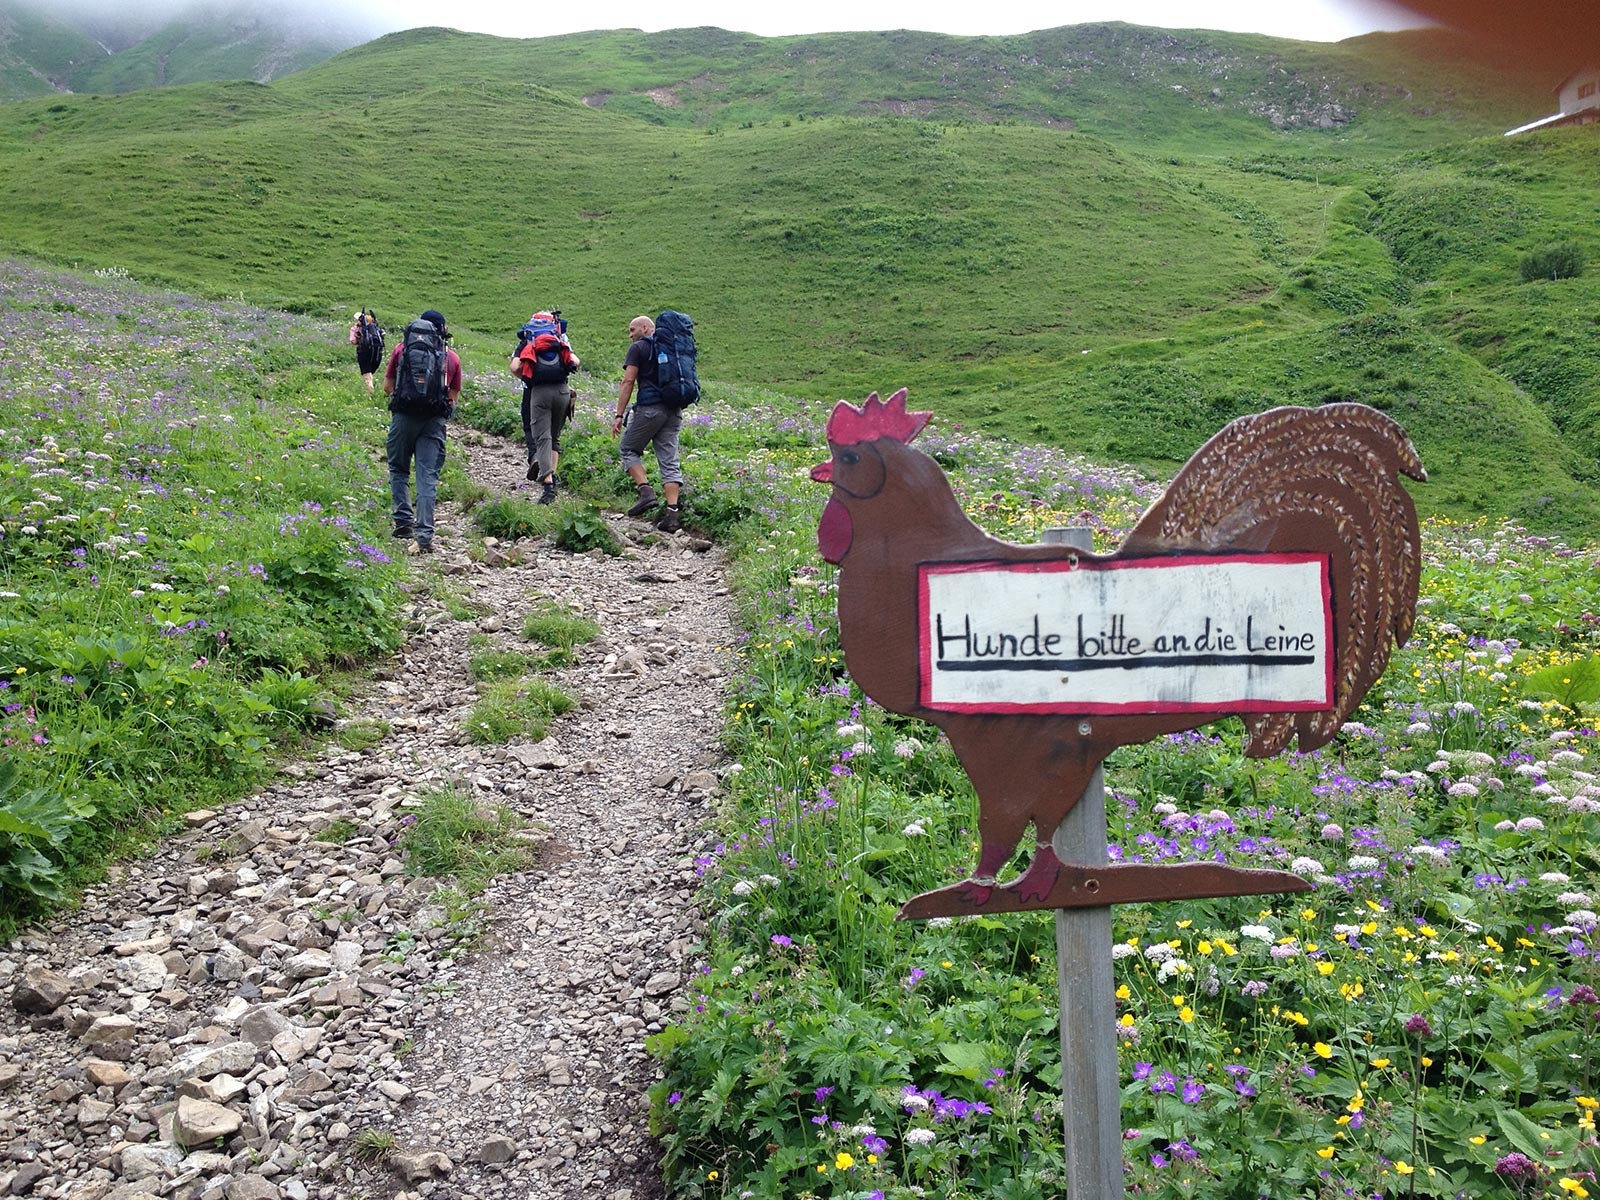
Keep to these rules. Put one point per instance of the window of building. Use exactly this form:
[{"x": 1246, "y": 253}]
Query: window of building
[{"x": 1585, "y": 89}]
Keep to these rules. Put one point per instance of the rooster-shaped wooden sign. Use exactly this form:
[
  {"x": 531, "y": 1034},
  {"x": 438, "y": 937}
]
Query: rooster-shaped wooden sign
[{"x": 1269, "y": 582}]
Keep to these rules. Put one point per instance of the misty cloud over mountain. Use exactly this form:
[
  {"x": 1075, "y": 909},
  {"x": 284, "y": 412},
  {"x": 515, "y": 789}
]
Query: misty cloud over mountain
[{"x": 118, "y": 24}]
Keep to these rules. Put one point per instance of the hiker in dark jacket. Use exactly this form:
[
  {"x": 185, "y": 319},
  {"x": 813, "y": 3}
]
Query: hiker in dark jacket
[{"x": 419, "y": 435}]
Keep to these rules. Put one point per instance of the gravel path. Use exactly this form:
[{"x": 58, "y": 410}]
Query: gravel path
[{"x": 256, "y": 1014}]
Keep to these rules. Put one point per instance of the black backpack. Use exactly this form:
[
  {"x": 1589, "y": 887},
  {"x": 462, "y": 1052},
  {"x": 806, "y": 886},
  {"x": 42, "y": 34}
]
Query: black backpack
[
  {"x": 672, "y": 344},
  {"x": 420, "y": 388},
  {"x": 371, "y": 344}
]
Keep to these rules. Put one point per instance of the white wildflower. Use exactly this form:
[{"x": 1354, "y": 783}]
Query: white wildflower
[{"x": 1171, "y": 968}]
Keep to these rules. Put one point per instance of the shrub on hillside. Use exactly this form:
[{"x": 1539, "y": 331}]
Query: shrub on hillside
[{"x": 1563, "y": 260}]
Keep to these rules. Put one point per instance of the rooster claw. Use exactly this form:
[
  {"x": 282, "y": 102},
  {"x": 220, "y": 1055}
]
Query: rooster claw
[
  {"x": 974, "y": 893},
  {"x": 1039, "y": 879}
]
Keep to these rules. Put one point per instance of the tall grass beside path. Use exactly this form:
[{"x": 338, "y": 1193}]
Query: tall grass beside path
[{"x": 192, "y": 526}]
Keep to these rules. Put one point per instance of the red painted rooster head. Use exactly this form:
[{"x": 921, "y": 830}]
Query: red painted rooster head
[{"x": 855, "y": 468}]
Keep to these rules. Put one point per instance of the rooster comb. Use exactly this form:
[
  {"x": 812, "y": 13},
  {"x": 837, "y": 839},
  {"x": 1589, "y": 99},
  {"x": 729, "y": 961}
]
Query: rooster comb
[{"x": 848, "y": 425}]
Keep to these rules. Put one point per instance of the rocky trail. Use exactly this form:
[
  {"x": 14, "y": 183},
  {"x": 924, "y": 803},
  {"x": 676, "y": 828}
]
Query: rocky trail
[{"x": 262, "y": 1011}]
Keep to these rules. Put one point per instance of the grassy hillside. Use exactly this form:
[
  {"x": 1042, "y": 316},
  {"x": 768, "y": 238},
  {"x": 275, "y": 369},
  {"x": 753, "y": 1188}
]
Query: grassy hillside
[
  {"x": 1120, "y": 292},
  {"x": 1193, "y": 90}
]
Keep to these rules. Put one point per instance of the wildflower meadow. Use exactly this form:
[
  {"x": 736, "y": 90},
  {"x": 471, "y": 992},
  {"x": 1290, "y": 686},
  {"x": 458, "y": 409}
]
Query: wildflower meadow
[
  {"x": 192, "y": 552},
  {"x": 1421, "y": 1024},
  {"x": 190, "y": 530}
]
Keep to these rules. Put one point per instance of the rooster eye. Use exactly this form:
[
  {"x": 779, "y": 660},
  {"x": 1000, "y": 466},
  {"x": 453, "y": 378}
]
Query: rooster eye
[{"x": 849, "y": 457}]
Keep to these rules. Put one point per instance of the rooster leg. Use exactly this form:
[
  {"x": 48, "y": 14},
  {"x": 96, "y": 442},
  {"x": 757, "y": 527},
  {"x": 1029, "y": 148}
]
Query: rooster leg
[
  {"x": 998, "y": 832},
  {"x": 1041, "y": 875}
]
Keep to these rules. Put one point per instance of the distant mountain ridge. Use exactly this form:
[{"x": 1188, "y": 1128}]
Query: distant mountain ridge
[{"x": 49, "y": 50}]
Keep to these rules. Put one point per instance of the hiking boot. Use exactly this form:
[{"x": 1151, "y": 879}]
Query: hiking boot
[
  {"x": 533, "y": 472},
  {"x": 548, "y": 496},
  {"x": 646, "y": 501},
  {"x": 671, "y": 521},
  {"x": 403, "y": 531}
]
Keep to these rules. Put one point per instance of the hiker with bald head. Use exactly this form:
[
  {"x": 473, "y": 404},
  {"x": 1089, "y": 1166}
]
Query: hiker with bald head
[
  {"x": 655, "y": 364},
  {"x": 423, "y": 381}
]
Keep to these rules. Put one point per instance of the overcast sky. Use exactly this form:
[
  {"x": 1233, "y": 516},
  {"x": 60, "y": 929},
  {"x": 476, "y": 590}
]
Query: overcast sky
[{"x": 1314, "y": 20}]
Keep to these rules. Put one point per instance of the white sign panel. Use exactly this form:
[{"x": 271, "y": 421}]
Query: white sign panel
[{"x": 1235, "y": 633}]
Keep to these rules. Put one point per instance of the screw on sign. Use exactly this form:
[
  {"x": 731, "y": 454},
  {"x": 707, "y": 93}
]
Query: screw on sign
[{"x": 1271, "y": 582}]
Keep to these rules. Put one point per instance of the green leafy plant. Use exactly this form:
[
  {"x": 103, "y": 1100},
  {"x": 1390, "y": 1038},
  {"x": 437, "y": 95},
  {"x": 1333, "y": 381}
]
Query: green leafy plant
[
  {"x": 512, "y": 517},
  {"x": 581, "y": 527},
  {"x": 35, "y": 824}
]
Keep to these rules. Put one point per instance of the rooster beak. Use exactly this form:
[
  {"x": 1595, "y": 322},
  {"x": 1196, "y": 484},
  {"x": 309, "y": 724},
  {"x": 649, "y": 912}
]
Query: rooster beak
[{"x": 823, "y": 472}]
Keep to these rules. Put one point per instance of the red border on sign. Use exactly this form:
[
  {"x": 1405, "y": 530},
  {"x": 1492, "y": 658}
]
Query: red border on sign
[{"x": 1051, "y": 566}]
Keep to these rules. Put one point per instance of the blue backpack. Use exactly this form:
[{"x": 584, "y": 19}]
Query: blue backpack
[{"x": 673, "y": 346}]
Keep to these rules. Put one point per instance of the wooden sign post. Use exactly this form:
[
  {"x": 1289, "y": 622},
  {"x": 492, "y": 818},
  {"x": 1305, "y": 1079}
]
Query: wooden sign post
[
  {"x": 1270, "y": 582},
  {"x": 1091, "y": 1101}
]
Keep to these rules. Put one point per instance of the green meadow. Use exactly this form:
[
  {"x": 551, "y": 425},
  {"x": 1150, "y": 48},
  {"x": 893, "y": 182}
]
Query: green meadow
[
  {"x": 1105, "y": 237},
  {"x": 1083, "y": 271}
]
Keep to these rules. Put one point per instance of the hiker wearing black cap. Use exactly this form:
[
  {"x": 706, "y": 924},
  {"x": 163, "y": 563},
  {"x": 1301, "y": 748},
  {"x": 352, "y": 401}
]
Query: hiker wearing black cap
[{"x": 422, "y": 382}]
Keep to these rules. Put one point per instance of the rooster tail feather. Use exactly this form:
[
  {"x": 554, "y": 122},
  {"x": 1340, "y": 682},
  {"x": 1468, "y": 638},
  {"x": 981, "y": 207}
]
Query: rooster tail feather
[{"x": 1322, "y": 480}]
